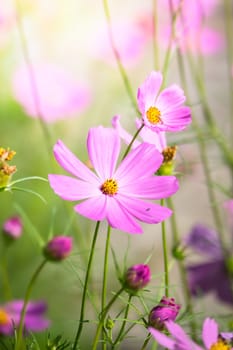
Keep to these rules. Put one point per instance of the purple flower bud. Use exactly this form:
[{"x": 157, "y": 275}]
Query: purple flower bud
[
  {"x": 166, "y": 310},
  {"x": 137, "y": 277},
  {"x": 58, "y": 248},
  {"x": 13, "y": 227}
]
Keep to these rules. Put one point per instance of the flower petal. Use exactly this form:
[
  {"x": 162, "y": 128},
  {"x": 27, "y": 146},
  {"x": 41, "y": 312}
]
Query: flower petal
[
  {"x": 93, "y": 208},
  {"x": 153, "y": 137},
  {"x": 71, "y": 163},
  {"x": 156, "y": 187},
  {"x": 209, "y": 332},
  {"x": 72, "y": 189},
  {"x": 182, "y": 341},
  {"x": 120, "y": 218},
  {"x": 124, "y": 135},
  {"x": 176, "y": 120},
  {"x": 162, "y": 339},
  {"x": 170, "y": 98},
  {"x": 204, "y": 240},
  {"x": 103, "y": 146},
  {"x": 144, "y": 211},
  {"x": 142, "y": 161},
  {"x": 148, "y": 91}
]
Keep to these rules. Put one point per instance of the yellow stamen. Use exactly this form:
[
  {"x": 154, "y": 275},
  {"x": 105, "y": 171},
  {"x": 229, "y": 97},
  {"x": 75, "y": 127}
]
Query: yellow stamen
[
  {"x": 6, "y": 154},
  {"x": 153, "y": 115},
  {"x": 109, "y": 187},
  {"x": 4, "y": 318},
  {"x": 169, "y": 153},
  {"x": 220, "y": 345}
]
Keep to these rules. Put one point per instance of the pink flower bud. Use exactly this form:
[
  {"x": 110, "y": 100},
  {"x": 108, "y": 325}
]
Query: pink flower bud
[
  {"x": 13, "y": 227},
  {"x": 137, "y": 277},
  {"x": 58, "y": 248},
  {"x": 165, "y": 311}
]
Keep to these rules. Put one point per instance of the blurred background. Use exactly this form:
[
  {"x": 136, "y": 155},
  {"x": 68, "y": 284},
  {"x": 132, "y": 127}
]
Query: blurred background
[{"x": 59, "y": 77}]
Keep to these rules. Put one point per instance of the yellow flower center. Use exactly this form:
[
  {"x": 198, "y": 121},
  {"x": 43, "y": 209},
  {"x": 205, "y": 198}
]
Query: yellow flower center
[
  {"x": 169, "y": 154},
  {"x": 153, "y": 115},
  {"x": 109, "y": 187},
  {"x": 4, "y": 318},
  {"x": 220, "y": 345},
  {"x": 6, "y": 154}
]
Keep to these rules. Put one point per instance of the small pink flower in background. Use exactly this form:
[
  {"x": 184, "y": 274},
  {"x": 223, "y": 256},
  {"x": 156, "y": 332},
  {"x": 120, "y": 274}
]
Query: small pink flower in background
[
  {"x": 137, "y": 277},
  {"x": 35, "y": 320},
  {"x": 58, "y": 248},
  {"x": 117, "y": 195},
  {"x": 162, "y": 111},
  {"x": 59, "y": 94},
  {"x": 7, "y": 20},
  {"x": 13, "y": 227},
  {"x": 166, "y": 310},
  {"x": 179, "y": 340}
]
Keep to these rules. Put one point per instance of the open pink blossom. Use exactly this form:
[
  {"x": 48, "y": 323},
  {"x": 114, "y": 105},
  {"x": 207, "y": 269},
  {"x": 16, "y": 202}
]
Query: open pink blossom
[
  {"x": 211, "y": 337},
  {"x": 58, "y": 94},
  {"x": 117, "y": 195},
  {"x": 162, "y": 111},
  {"x": 34, "y": 321}
]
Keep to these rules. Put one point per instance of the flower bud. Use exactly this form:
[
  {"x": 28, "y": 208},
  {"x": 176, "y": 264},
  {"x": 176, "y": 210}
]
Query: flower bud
[
  {"x": 58, "y": 248},
  {"x": 137, "y": 277},
  {"x": 6, "y": 170},
  {"x": 13, "y": 227},
  {"x": 166, "y": 310}
]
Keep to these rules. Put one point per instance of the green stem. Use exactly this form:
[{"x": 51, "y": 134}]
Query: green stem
[
  {"x": 18, "y": 344},
  {"x": 182, "y": 270},
  {"x": 132, "y": 141},
  {"x": 118, "y": 59},
  {"x": 144, "y": 345},
  {"x": 32, "y": 77},
  {"x": 165, "y": 256},
  {"x": 119, "y": 337},
  {"x": 102, "y": 317},
  {"x": 104, "y": 288},
  {"x": 155, "y": 36},
  {"x": 5, "y": 279},
  {"x": 83, "y": 304}
]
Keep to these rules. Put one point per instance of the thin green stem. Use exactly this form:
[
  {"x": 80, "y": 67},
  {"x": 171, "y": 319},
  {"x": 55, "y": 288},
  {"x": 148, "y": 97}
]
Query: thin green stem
[
  {"x": 165, "y": 256},
  {"x": 182, "y": 270},
  {"x": 32, "y": 77},
  {"x": 83, "y": 304},
  {"x": 155, "y": 35},
  {"x": 132, "y": 141},
  {"x": 102, "y": 317},
  {"x": 119, "y": 337},
  {"x": 118, "y": 59},
  {"x": 104, "y": 288},
  {"x": 5, "y": 279},
  {"x": 144, "y": 345},
  {"x": 18, "y": 344}
]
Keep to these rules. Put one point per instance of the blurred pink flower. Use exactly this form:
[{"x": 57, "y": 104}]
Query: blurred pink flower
[
  {"x": 119, "y": 195},
  {"x": 59, "y": 95},
  {"x": 162, "y": 111},
  {"x": 58, "y": 248},
  {"x": 13, "y": 227},
  {"x": 7, "y": 19},
  {"x": 34, "y": 321},
  {"x": 130, "y": 39}
]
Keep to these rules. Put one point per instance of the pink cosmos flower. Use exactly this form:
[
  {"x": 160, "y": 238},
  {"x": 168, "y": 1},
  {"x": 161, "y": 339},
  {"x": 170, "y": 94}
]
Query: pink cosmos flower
[
  {"x": 59, "y": 94},
  {"x": 137, "y": 277},
  {"x": 162, "y": 111},
  {"x": 35, "y": 320},
  {"x": 180, "y": 341},
  {"x": 58, "y": 248},
  {"x": 118, "y": 195}
]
